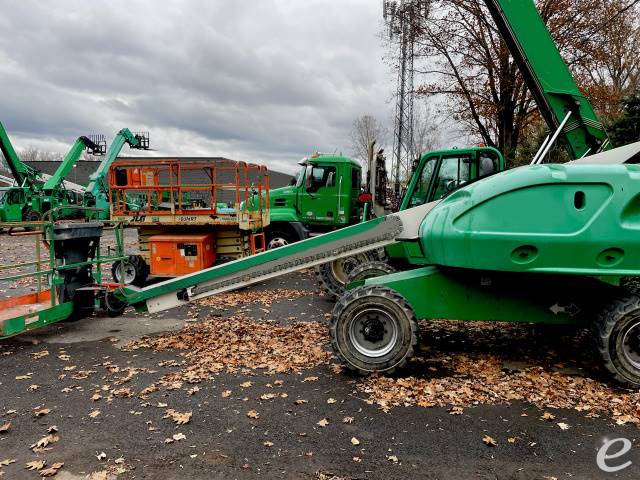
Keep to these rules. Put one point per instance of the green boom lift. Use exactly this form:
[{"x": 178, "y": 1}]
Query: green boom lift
[
  {"x": 15, "y": 201},
  {"x": 35, "y": 193}
]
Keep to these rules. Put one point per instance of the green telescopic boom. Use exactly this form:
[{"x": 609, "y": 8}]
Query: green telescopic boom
[
  {"x": 96, "y": 193},
  {"x": 548, "y": 77},
  {"x": 70, "y": 160},
  {"x": 22, "y": 173}
]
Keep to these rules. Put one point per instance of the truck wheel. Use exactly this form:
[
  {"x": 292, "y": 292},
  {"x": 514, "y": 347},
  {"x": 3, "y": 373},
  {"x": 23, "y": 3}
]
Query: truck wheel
[
  {"x": 278, "y": 238},
  {"x": 31, "y": 215},
  {"x": 370, "y": 270},
  {"x": 131, "y": 271},
  {"x": 617, "y": 335},
  {"x": 373, "y": 330},
  {"x": 333, "y": 276}
]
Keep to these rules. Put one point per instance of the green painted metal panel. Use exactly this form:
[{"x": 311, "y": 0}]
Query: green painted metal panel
[
  {"x": 548, "y": 76},
  {"x": 572, "y": 219},
  {"x": 436, "y": 293},
  {"x": 44, "y": 317}
]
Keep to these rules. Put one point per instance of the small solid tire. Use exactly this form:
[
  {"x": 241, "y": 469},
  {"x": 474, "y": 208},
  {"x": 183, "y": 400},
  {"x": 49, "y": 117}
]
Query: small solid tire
[
  {"x": 370, "y": 270},
  {"x": 114, "y": 306},
  {"x": 31, "y": 215},
  {"x": 617, "y": 332},
  {"x": 380, "y": 308},
  {"x": 140, "y": 270}
]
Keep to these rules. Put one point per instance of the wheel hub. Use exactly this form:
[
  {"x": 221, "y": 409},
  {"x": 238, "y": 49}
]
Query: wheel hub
[
  {"x": 373, "y": 332},
  {"x": 276, "y": 243},
  {"x": 631, "y": 344}
]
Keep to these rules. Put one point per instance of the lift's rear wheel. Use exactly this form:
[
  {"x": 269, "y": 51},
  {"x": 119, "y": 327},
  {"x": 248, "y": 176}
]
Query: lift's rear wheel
[
  {"x": 373, "y": 329},
  {"x": 130, "y": 271},
  {"x": 370, "y": 270},
  {"x": 617, "y": 332},
  {"x": 333, "y": 276}
]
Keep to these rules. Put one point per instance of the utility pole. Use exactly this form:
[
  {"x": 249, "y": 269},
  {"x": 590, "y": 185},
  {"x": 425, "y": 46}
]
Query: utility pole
[{"x": 400, "y": 17}]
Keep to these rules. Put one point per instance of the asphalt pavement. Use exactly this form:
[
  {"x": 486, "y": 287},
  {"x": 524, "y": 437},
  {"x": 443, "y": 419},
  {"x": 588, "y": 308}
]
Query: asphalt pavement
[{"x": 315, "y": 423}]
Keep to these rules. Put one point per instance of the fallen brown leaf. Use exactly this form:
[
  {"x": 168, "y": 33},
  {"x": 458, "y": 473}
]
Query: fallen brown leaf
[
  {"x": 44, "y": 441},
  {"x": 323, "y": 423},
  {"x": 35, "y": 465},
  {"x": 177, "y": 417},
  {"x": 5, "y": 428},
  {"x": 489, "y": 441},
  {"x": 253, "y": 414},
  {"x": 52, "y": 471}
]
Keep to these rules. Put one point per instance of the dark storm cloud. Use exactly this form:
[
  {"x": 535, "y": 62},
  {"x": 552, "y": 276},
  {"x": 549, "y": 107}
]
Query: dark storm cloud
[{"x": 266, "y": 80}]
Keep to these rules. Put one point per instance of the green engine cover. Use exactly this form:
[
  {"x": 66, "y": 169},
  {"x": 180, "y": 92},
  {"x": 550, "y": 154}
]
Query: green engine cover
[{"x": 571, "y": 219}]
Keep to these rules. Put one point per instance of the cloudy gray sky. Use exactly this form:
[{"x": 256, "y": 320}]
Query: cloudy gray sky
[{"x": 259, "y": 80}]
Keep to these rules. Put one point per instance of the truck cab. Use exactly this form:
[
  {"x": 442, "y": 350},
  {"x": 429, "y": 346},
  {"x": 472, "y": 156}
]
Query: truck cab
[
  {"x": 438, "y": 174},
  {"x": 14, "y": 204},
  {"x": 322, "y": 196}
]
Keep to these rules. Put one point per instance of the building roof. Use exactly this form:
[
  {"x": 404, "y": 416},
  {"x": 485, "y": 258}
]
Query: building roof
[{"x": 84, "y": 168}]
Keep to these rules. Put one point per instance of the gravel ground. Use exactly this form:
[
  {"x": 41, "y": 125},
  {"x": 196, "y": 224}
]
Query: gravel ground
[{"x": 247, "y": 424}]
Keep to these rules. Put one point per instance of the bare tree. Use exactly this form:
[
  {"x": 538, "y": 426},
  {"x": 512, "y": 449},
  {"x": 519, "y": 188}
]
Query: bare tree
[
  {"x": 366, "y": 129},
  {"x": 427, "y": 129},
  {"x": 609, "y": 65},
  {"x": 30, "y": 154}
]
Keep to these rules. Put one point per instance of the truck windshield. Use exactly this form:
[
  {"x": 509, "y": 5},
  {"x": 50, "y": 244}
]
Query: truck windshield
[
  {"x": 421, "y": 189},
  {"x": 300, "y": 175}
]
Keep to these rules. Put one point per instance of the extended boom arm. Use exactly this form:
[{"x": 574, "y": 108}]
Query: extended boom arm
[
  {"x": 96, "y": 194},
  {"x": 548, "y": 77},
  {"x": 95, "y": 145},
  {"x": 22, "y": 173}
]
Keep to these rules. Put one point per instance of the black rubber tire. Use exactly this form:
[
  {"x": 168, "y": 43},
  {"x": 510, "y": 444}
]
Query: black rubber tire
[
  {"x": 370, "y": 270},
  {"x": 140, "y": 270},
  {"x": 113, "y": 305},
  {"x": 614, "y": 320},
  {"x": 329, "y": 281},
  {"x": 379, "y": 299},
  {"x": 274, "y": 235},
  {"x": 31, "y": 215}
]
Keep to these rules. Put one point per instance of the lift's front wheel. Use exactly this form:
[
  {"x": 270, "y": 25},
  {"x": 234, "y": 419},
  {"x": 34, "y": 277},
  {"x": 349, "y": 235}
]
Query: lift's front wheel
[
  {"x": 373, "y": 329},
  {"x": 617, "y": 334}
]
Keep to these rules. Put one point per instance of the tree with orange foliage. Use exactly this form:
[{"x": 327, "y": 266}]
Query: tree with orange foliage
[{"x": 461, "y": 56}]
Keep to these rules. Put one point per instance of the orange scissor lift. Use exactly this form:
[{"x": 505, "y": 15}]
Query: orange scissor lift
[{"x": 189, "y": 214}]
